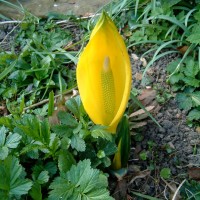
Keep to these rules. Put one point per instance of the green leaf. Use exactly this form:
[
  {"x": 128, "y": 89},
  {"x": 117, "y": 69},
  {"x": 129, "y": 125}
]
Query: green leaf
[
  {"x": 191, "y": 68},
  {"x": 51, "y": 167},
  {"x": 65, "y": 161},
  {"x": 73, "y": 104},
  {"x": 12, "y": 181},
  {"x": 194, "y": 114},
  {"x": 3, "y": 131},
  {"x": 171, "y": 67},
  {"x": 144, "y": 196},
  {"x": 191, "y": 81},
  {"x": 51, "y": 103},
  {"x": 63, "y": 130},
  {"x": 81, "y": 182},
  {"x": 8, "y": 70},
  {"x": 67, "y": 119},
  {"x": 35, "y": 191},
  {"x": 165, "y": 173},
  {"x": 43, "y": 177},
  {"x": 78, "y": 143},
  {"x": 196, "y": 98},
  {"x": 194, "y": 36},
  {"x": 184, "y": 101},
  {"x": 6, "y": 121},
  {"x": 3, "y": 152},
  {"x": 143, "y": 155},
  {"x": 100, "y": 132},
  {"x": 13, "y": 140},
  {"x": 175, "y": 78},
  {"x": 45, "y": 131}
]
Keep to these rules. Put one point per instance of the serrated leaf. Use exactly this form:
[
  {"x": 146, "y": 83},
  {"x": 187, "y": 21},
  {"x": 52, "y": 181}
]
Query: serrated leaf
[
  {"x": 3, "y": 131},
  {"x": 51, "y": 167},
  {"x": 20, "y": 187},
  {"x": 73, "y": 105},
  {"x": 191, "y": 67},
  {"x": 6, "y": 121},
  {"x": 184, "y": 101},
  {"x": 194, "y": 114},
  {"x": 43, "y": 177},
  {"x": 78, "y": 143},
  {"x": 35, "y": 192},
  {"x": 197, "y": 15},
  {"x": 54, "y": 142},
  {"x": 45, "y": 131},
  {"x": 191, "y": 81},
  {"x": 3, "y": 152},
  {"x": 65, "y": 161},
  {"x": 11, "y": 179},
  {"x": 81, "y": 182},
  {"x": 32, "y": 147},
  {"x": 100, "y": 132},
  {"x": 196, "y": 98},
  {"x": 172, "y": 66},
  {"x": 63, "y": 130},
  {"x": 13, "y": 140},
  {"x": 175, "y": 78},
  {"x": 67, "y": 119},
  {"x": 194, "y": 36}
]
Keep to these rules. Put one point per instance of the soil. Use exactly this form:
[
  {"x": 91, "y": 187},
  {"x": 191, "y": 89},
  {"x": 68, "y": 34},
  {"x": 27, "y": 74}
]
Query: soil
[{"x": 169, "y": 146}]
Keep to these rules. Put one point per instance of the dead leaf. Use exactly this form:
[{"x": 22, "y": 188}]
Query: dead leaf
[
  {"x": 141, "y": 111},
  {"x": 194, "y": 173},
  {"x": 138, "y": 76},
  {"x": 182, "y": 49},
  {"x": 147, "y": 96},
  {"x": 140, "y": 174},
  {"x": 137, "y": 125}
]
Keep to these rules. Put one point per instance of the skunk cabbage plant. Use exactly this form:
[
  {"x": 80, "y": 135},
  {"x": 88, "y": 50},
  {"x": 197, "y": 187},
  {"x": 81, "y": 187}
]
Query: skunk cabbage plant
[{"x": 104, "y": 75}]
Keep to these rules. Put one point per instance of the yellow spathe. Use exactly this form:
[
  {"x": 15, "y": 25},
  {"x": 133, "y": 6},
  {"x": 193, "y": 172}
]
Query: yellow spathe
[{"x": 104, "y": 75}]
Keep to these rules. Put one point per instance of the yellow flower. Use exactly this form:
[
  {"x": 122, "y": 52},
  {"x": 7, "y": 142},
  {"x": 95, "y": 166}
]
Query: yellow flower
[{"x": 104, "y": 75}]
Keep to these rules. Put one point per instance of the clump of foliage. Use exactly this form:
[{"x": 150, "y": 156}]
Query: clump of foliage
[
  {"x": 37, "y": 158},
  {"x": 186, "y": 82},
  {"x": 38, "y": 63}
]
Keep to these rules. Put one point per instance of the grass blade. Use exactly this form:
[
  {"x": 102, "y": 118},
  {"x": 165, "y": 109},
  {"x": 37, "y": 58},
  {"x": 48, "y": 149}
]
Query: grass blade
[
  {"x": 145, "y": 196},
  {"x": 7, "y": 70},
  {"x": 171, "y": 19}
]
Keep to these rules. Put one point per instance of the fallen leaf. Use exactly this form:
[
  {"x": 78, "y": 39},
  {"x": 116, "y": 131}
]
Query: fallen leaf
[
  {"x": 141, "y": 111},
  {"x": 182, "y": 49},
  {"x": 147, "y": 96},
  {"x": 194, "y": 173},
  {"x": 140, "y": 174},
  {"x": 138, "y": 76},
  {"x": 137, "y": 125}
]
